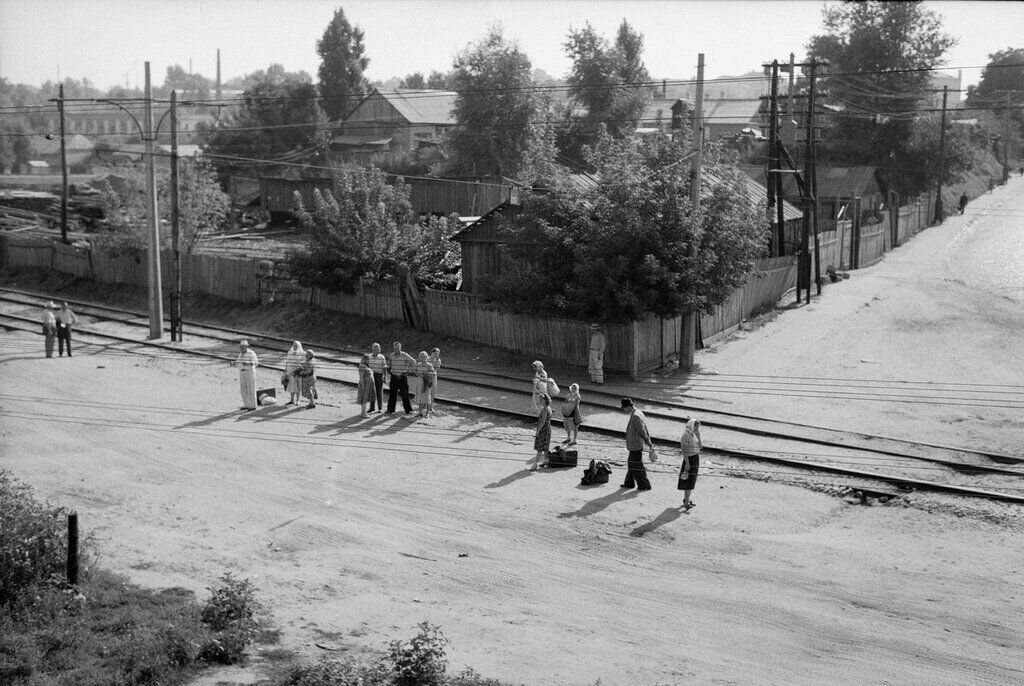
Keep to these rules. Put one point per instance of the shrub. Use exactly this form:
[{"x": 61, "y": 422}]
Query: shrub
[
  {"x": 420, "y": 661},
  {"x": 345, "y": 671},
  {"x": 231, "y": 614},
  {"x": 33, "y": 540}
]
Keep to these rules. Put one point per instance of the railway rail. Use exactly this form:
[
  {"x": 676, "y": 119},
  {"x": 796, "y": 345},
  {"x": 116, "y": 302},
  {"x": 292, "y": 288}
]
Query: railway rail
[{"x": 778, "y": 443}]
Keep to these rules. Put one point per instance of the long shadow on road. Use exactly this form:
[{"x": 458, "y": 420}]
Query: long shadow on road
[
  {"x": 598, "y": 504},
  {"x": 670, "y": 514}
]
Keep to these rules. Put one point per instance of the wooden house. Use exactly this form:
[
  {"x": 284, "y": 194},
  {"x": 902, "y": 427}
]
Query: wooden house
[
  {"x": 78, "y": 151},
  {"x": 390, "y": 124},
  {"x": 664, "y": 114},
  {"x": 727, "y": 117}
]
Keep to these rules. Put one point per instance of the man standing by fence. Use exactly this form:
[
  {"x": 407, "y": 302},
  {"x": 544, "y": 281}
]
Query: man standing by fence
[
  {"x": 65, "y": 318},
  {"x": 597, "y": 348},
  {"x": 401, "y": 365}
]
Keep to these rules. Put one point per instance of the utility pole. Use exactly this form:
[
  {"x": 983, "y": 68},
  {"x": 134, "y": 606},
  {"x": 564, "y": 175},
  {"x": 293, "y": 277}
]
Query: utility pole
[
  {"x": 811, "y": 178},
  {"x": 942, "y": 159},
  {"x": 156, "y": 312},
  {"x": 63, "y": 169},
  {"x": 774, "y": 162},
  {"x": 688, "y": 334},
  {"x": 175, "y": 229}
]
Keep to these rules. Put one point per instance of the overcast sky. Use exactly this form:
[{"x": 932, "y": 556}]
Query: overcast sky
[{"x": 108, "y": 41}]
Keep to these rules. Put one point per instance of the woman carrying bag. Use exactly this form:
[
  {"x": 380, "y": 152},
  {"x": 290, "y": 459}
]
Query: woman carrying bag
[{"x": 690, "y": 445}]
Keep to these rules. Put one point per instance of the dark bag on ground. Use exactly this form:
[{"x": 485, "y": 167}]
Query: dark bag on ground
[
  {"x": 560, "y": 457},
  {"x": 596, "y": 473}
]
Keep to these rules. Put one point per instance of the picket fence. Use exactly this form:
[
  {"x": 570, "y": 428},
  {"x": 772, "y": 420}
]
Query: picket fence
[{"x": 632, "y": 347}]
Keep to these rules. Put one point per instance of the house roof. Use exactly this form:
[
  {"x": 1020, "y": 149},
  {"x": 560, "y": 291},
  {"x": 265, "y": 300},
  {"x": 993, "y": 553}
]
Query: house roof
[
  {"x": 755, "y": 192},
  {"x": 354, "y": 141},
  {"x": 73, "y": 143},
  {"x": 660, "y": 108},
  {"x": 731, "y": 111},
  {"x": 422, "y": 106},
  {"x": 833, "y": 182}
]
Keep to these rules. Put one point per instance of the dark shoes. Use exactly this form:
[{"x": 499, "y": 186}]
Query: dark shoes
[{"x": 639, "y": 488}]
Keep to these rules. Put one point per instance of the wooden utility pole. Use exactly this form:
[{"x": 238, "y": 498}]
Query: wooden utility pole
[
  {"x": 688, "y": 334},
  {"x": 942, "y": 159},
  {"x": 810, "y": 196},
  {"x": 156, "y": 306},
  {"x": 63, "y": 169},
  {"x": 175, "y": 228},
  {"x": 774, "y": 161}
]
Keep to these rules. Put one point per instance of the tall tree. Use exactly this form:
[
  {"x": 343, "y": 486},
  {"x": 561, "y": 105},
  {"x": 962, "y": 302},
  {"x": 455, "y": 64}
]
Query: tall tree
[
  {"x": 341, "y": 67},
  {"x": 498, "y": 112},
  {"x": 415, "y": 81},
  {"x": 1001, "y": 92},
  {"x": 881, "y": 57},
  {"x": 189, "y": 86}
]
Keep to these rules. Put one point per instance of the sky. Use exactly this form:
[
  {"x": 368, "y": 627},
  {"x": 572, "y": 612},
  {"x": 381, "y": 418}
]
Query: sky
[{"x": 109, "y": 41}]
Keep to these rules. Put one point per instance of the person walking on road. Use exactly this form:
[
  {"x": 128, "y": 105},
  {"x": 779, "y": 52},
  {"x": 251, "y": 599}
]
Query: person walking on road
[
  {"x": 293, "y": 360},
  {"x": 542, "y": 437},
  {"x": 690, "y": 446},
  {"x": 367, "y": 391},
  {"x": 378, "y": 367},
  {"x": 400, "y": 364},
  {"x": 247, "y": 363},
  {"x": 49, "y": 327},
  {"x": 306, "y": 375},
  {"x": 963, "y": 202},
  {"x": 65, "y": 318},
  {"x": 597, "y": 348},
  {"x": 637, "y": 437},
  {"x": 571, "y": 418}
]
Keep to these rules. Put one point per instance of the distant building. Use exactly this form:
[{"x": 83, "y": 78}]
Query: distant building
[
  {"x": 725, "y": 118},
  {"x": 78, "y": 151}
]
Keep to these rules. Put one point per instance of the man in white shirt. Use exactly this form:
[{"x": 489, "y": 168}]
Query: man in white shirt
[
  {"x": 65, "y": 318},
  {"x": 49, "y": 327},
  {"x": 247, "y": 363},
  {"x": 378, "y": 364},
  {"x": 400, "y": 365}
]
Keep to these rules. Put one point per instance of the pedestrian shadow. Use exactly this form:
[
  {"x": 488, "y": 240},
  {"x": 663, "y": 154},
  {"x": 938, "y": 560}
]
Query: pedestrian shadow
[
  {"x": 210, "y": 420},
  {"x": 342, "y": 425},
  {"x": 598, "y": 504},
  {"x": 267, "y": 413},
  {"x": 394, "y": 425},
  {"x": 510, "y": 479},
  {"x": 670, "y": 514}
]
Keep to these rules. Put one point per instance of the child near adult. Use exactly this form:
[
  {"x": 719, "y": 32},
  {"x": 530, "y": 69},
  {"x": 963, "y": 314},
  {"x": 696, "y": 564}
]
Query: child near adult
[
  {"x": 542, "y": 438},
  {"x": 367, "y": 390},
  {"x": 428, "y": 378},
  {"x": 307, "y": 379},
  {"x": 571, "y": 417},
  {"x": 293, "y": 360},
  {"x": 690, "y": 445}
]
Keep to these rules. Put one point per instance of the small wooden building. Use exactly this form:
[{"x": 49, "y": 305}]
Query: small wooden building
[
  {"x": 277, "y": 194},
  {"x": 481, "y": 241}
]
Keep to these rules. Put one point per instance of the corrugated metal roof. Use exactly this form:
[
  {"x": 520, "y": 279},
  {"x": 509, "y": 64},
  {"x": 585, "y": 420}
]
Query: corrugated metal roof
[
  {"x": 732, "y": 111},
  {"x": 755, "y": 192},
  {"x": 846, "y": 182},
  {"x": 422, "y": 106}
]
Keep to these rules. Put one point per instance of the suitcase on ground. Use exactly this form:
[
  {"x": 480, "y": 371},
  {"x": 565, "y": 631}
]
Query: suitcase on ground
[{"x": 559, "y": 457}]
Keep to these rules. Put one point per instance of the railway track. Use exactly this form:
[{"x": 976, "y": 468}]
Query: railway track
[{"x": 744, "y": 438}]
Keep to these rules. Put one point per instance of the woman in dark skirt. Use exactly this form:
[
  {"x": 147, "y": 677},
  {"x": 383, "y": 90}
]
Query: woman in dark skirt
[
  {"x": 542, "y": 439},
  {"x": 690, "y": 446}
]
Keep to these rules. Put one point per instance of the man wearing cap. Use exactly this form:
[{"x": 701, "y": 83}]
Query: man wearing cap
[
  {"x": 65, "y": 318},
  {"x": 637, "y": 437},
  {"x": 247, "y": 363},
  {"x": 597, "y": 346},
  {"x": 49, "y": 327}
]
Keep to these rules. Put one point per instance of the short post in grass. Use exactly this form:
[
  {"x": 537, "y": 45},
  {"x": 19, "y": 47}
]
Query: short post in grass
[{"x": 73, "y": 548}]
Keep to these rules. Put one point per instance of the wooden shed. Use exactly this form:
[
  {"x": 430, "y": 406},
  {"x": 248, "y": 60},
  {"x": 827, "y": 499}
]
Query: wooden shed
[
  {"x": 480, "y": 242},
  {"x": 277, "y": 194}
]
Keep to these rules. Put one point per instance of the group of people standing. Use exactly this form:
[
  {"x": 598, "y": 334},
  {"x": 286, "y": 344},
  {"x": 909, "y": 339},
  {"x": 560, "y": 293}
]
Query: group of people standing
[
  {"x": 399, "y": 366},
  {"x": 57, "y": 327}
]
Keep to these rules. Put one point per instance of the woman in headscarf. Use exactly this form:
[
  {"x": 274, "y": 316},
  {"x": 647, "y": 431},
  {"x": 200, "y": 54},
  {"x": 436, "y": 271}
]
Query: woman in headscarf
[
  {"x": 542, "y": 438},
  {"x": 293, "y": 359},
  {"x": 306, "y": 376},
  {"x": 247, "y": 363},
  {"x": 690, "y": 445},
  {"x": 540, "y": 384},
  {"x": 571, "y": 418},
  {"x": 367, "y": 391}
]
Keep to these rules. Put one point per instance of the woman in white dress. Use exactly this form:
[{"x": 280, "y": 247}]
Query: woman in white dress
[{"x": 292, "y": 361}]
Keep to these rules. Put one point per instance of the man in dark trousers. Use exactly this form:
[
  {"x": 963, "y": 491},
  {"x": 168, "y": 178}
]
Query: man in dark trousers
[
  {"x": 400, "y": 364},
  {"x": 65, "y": 318},
  {"x": 963, "y": 202},
  {"x": 637, "y": 437}
]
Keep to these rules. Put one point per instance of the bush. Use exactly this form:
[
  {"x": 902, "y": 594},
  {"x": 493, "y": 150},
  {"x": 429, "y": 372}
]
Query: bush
[
  {"x": 33, "y": 540},
  {"x": 420, "y": 661},
  {"x": 345, "y": 671},
  {"x": 231, "y": 614}
]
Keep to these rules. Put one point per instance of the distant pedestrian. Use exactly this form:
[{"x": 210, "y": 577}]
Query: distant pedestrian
[
  {"x": 379, "y": 366},
  {"x": 65, "y": 319},
  {"x": 435, "y": 362},
  {"x": 571, "y": 417},
  {"x": 597, "y": 348},
  {"x": 690, "y": 446},
  {"x": 247, "y": 363},
  {"x": 307, "y": 379},
  {"x": 542, "y": 437},
  {"x": 428, "y": 377},
  {"x": 637, "y": 437},
  {"x": 963, "y": 202},
  {"x": 400, "y": 364},
  {"x": 293, "y": 359},
  {"x": 540, "y": 383},
  {"x": 366, "y": 392},
  {"x": 49, "y": 327}
]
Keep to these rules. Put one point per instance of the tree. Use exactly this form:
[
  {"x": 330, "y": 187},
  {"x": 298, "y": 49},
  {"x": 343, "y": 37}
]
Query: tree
[
  {"x": 1001, "y": 90},
  {"x": 621, "y": 249},
  {"x": 880, "y": 56},
  {"x": 278, "y": 115},
  {"x": 202, "y": 207},
  {"x": 414, "y": 81},
  {"x": 341, "y": 67},
  {"x": 498, "y": 112},
  {"x": 441, "y": 81},
  {"x": 366, "y": 229},
  {"x": 608, "y": 81}
]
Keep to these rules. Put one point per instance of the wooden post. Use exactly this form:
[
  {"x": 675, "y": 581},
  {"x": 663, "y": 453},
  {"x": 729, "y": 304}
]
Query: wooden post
[
  {"x": 688, "y": 330},
  {"x": 72, "y": 567},
  {"x": 63, "y": 171},
  {"x": 855, "y": 243},
  {"x": 634, "y": 355},
  {"x": 939, "y": 216},
  {"x": 175, "y": 225}
]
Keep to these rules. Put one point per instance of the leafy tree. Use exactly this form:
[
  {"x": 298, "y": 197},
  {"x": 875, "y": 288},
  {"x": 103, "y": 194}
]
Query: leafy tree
[
  {"x": 607, "y": 80},
  {"x": 415, "y": 81},
  {"x": 366, "y": 229},
  {"x": 497, "y": 111},
  {"x": 278, "y": 116},
  {"x": 189, "y": 86},
  {"x": 621, "y": 249},
  {"x": 880, "y": 55},
  {"x": 203, "y": 207},
  {"x": 1001, "y": 90},
  {"x": 441, "y": 81},
  {"x": 341, "y": 67}
]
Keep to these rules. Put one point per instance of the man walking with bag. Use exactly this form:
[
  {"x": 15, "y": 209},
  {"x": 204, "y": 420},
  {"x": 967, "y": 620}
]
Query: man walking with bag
[{"x": 637, "y": 437}]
